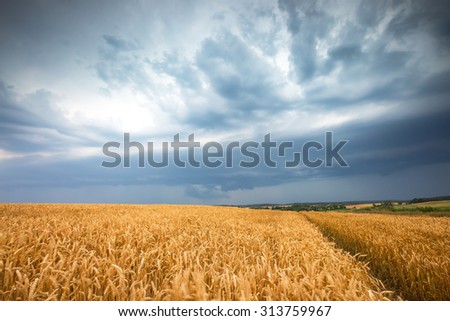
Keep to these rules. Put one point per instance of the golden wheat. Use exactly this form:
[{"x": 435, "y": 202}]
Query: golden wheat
[
  {"x": 410, "y": 254},
  {"x": 126, "y": 252}
]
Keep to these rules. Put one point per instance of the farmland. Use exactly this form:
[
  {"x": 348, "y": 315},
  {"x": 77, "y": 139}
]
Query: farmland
[
  {"x": 175, "y": 252},
  {"x": 433, "y": 208},
  {"x": 409, "y": 253}
]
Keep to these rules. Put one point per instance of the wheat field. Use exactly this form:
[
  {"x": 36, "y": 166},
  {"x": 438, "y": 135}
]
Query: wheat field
[
  {"x": 409, "y": 253},
  {"x": 163, "y": 252}
]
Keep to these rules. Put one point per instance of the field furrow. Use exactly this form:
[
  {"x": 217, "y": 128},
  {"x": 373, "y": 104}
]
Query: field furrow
[{"x": 411, "y": 254}]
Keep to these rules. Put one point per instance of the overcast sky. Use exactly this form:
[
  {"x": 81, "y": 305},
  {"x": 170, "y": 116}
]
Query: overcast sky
[{"x": 75, "y": 75}]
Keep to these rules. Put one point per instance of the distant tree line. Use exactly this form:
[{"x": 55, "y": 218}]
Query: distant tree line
[
  {"x": 429, "y": 199},
  {"x": 384, "y": 205},
  {"x": 310, "y": 207}
]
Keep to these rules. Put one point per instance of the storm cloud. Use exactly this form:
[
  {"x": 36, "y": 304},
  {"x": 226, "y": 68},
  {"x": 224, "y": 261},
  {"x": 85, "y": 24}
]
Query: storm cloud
[{"x": 76, "y": 75}]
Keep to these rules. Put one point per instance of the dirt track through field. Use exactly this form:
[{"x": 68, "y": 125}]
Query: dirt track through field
[{"x": 410, "y": 254}]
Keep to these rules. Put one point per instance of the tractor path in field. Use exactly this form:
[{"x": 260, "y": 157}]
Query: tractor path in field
[{"x": 409, "y": 254}]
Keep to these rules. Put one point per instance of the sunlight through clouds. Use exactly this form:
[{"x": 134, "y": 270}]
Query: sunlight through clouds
[{"x": 76, "y": 75}]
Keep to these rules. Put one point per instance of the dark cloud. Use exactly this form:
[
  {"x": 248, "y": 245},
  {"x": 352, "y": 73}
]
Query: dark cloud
[
  {"x": 184, "y": 72},
  {"x": 437, "y": 84},
  {"x": 204, "y": 192},
  {"x": 346, "y": 53},
  {"x": 390, "y": 146},
  {"x": 215, "y": 118},
  {"x": 119, "y": 44},
  {"x": 35, "y": 123},
  {"x": 260, "y": 27},
  {"x": 32, "y": 116},
  {"x": 307, "y": 23},
  {"x": 230, "y": 67},
  {"x": 121, "y": 64},
  {"x": 370, "y": 13},
  {"x": 425, "y": 16},
  {"x": 378, "y": 148},
  {"x": 246, "y": 69},
  {"x": 238, "y": 75}
]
